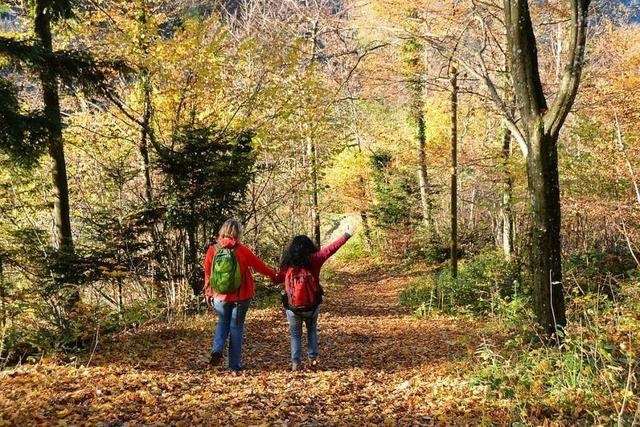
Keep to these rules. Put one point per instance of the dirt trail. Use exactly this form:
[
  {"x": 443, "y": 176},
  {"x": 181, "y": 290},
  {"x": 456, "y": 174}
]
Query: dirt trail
[{"x": 379, "y": 365}]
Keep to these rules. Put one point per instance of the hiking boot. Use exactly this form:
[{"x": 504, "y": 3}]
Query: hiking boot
[
  {"x": 296, "y": 366},
  {"x": 314, "y": 363},
  {"x": 216, "y": 358}
]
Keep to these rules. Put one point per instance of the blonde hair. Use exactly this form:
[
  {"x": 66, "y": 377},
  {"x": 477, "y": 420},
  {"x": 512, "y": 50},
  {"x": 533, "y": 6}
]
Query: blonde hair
[{"x": 231, "y": 228}]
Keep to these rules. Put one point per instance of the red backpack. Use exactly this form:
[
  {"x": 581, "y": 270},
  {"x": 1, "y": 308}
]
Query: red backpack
[{"x": 303, "y": 292}]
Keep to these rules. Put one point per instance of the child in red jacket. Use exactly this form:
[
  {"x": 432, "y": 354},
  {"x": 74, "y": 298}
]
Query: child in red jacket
[
  {"x": 301, "y": 258},
  {"x": 232, "y": 308}
]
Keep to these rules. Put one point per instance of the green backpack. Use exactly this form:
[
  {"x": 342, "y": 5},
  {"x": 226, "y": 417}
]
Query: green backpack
[{"x": 225, "y": 272}]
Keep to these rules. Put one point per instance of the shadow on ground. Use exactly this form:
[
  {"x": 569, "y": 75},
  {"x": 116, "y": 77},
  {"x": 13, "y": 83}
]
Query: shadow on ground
[{"x": 361, "y": 326}]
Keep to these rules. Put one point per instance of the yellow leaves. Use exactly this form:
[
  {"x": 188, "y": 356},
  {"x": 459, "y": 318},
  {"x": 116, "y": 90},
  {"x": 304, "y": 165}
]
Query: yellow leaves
[{"x": 63, "y": 412}]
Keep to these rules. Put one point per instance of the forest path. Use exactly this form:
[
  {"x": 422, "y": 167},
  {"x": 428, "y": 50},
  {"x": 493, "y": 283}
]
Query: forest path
[{"x": 378, "y": 365}]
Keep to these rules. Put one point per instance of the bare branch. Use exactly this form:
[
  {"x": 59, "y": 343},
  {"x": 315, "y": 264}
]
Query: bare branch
[{"x": 561, "y": 105}]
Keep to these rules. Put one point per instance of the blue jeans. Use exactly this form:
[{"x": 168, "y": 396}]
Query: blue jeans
[
  {"x": 310, "y": 319},
  {"x": 231, "y": 317}
]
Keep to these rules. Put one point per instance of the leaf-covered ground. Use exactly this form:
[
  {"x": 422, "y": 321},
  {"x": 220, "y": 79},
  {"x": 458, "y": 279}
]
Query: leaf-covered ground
[{"x": 379, "y": 366}]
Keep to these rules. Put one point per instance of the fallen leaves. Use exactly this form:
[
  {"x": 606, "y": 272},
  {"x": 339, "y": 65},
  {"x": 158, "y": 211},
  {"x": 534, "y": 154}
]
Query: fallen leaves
[{"x": 378, "y": 366}]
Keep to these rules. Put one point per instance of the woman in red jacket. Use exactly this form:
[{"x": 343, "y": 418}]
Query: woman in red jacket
[
  {"x": 232, "y": 308},
  {"x": 303, "y": 255}
]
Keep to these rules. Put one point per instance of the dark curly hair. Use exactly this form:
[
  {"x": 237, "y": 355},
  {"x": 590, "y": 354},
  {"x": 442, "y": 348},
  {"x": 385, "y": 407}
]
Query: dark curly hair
[{"x": 298, "y": 253}]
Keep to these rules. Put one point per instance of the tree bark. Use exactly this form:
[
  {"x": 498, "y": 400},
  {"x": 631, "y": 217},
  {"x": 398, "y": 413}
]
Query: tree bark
[
  {"x": 417, "y": 115},
  {"x": 63, "y": 239},
  {"x": 422, "y": 170},
  {"x": 366, "y": 229},
  {"x": 3, "y": 296},
  {"x": 507, "y": 197},
  {"x": 413, "y": 59},
  {"x": 62, "y": 236},
  {"x": 315, "y": 209},
  {"x": 454, "y": 169},
  {"x": 542, "y": 124},
  {"x": 546, "y": 251},
  {"x": 192, "y": 270},
  {"x": 312, "y": 154},
  {"x": 145, "y": 131},
  {"x": 147, "y": 136},
  {"x": 145, "y": 128}
]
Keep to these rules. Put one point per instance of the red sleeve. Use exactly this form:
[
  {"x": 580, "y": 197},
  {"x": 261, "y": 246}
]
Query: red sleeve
[
  {"x": 257, "y": 264},
  {"x": 325, "y": 253},
  {"x": 208, "y": 260}
]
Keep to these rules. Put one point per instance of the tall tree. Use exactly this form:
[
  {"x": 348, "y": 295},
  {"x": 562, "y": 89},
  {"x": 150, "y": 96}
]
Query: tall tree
[
  {"x": 34, "y": 132},
  {"x": 44, "y": 11},
  {"x": 541, "y": 124},
  {"x": 312, "y": 150},
  {"x": 537, "y": 130},
  {"x": 146, "y": 130},
  {"x": 414, "y": 63},
  {"x": 453, "y": 73},
  {"x": 506, "y": 209}
]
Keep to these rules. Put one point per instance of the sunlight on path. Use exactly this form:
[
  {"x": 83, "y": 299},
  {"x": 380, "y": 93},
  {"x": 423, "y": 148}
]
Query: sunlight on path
[{"x": 378, "y": 365}]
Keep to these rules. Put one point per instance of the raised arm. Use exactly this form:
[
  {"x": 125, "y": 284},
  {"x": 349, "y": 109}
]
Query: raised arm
[{"x": 325, "y": 253}]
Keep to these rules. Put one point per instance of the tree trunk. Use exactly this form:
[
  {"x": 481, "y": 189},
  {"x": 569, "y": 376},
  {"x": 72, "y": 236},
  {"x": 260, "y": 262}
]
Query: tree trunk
[
  {"x": 472, "y": 210},
  {"x": 145, "y": 130},
  {"x": 414, "y": 62},
  {"x": 542, "y": 123},
  {"x": 366, "y": 229},
  {"x": 558, "y": 52},
  {"x": 315, "y": 209},
  {"x": 3, "y": 296},
  {"x": 422, "y": 170},
  {"x": 120, "y": 299},
  {"x": 544, "y": 190},
  {"x": 192, "y": 270},
  {"x": 454, "y": 169},
  {"x": 144, "y": 135},
  {"x": 507, "y": 197},
  {"x": 63, "y": 239},
  {"x": 312, "y": 151}
]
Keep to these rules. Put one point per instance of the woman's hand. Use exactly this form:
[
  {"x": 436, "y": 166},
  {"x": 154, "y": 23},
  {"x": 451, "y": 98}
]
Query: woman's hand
[{"x": 350, "y": 230}]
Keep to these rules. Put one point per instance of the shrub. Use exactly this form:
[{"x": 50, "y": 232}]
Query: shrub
[
  {"x": 482, "y": 283},
  {"x": 427, "y": 246},
  {"x": 395, "y": 191},
  {"x": 598, "y": 271},
  {"x": 590, "y": 378}
]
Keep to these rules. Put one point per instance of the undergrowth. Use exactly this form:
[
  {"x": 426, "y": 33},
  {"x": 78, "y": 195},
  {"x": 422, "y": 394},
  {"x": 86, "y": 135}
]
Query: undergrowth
[{"x": 589, "y": 375}]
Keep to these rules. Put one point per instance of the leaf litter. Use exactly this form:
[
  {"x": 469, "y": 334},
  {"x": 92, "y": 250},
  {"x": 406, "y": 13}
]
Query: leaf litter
[{"x": 379, "y": 366}]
